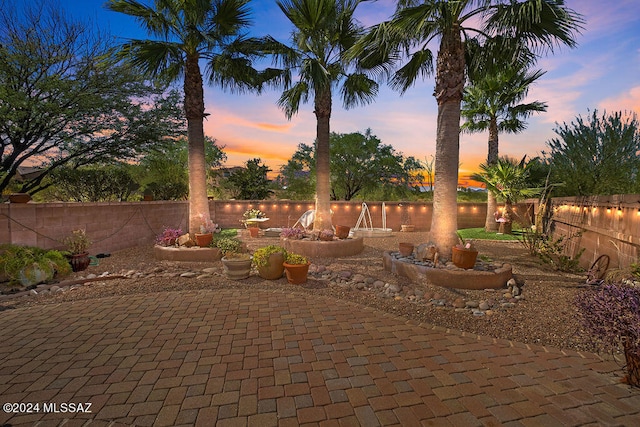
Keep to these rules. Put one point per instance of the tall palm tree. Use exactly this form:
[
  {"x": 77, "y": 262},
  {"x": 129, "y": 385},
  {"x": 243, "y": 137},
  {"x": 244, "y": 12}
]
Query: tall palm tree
[
  {"x": 187, "y": 31},
  {"x": 492, "y": 102},
  {"x": 323, "y": 31},
  {"x": 516, "y": 28}
]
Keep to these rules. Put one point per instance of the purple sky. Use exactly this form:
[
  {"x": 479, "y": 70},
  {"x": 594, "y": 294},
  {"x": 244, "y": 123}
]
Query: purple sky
[{"x": 602, "y": 73}]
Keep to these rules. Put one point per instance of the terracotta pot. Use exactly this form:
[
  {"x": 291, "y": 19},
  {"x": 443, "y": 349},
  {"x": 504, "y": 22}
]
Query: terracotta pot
[
  {"x": 236, "y": 268},
  {"x": 296, "y": 273},
  {"x": 79, "y": 262},
  {"x": 407, "y": 227},
  {"x": 342, "y": 231},
  {"x": 505, "y": 227},
  {"x": 463, "y": 258},
  {"x": 19, "y": 197},
  {"x": 274, "y": 268},
  {"x": 254, "y": 231},
  {"x": 405, "y": 249},
  {"x": 203, "y": 240}
]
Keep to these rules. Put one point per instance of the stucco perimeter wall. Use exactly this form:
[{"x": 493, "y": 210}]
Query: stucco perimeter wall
[
  {"x": 114, "y": 226},
  {"x": 285, "y": 213},
  {"x": 609, "y": 224},
  {"x": 111, "y": 226}
]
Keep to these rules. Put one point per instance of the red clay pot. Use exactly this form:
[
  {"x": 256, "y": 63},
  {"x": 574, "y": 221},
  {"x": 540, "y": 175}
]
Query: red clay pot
[{"x": 296, "y": 273}]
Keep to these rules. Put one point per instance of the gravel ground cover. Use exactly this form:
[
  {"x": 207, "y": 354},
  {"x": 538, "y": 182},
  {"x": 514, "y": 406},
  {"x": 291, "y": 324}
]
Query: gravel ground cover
[{"x": 545, "y": 314}]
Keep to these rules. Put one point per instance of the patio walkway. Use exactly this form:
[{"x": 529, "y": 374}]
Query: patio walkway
[{"x": 267, "y": 358}]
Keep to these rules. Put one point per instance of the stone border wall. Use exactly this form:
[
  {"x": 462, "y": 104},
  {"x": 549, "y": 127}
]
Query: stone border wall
[{"x": 115, "y": 226}]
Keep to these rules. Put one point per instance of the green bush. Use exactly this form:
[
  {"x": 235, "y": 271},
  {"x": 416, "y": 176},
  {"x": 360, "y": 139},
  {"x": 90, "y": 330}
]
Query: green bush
[
  {"x": 552, "y": 251},
  {"x": 29, "y": 265},
  {"x": 228, "y": 245}
]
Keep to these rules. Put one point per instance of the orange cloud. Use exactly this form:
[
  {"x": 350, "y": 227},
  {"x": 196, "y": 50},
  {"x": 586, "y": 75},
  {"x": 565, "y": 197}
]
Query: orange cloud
[
  {"x": 272, "y": 127},
  {"x": 624, "y": 102}
]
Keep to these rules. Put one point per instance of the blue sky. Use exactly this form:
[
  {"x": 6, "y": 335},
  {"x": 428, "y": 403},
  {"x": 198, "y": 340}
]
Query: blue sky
[{"x": 602, "y": 73}]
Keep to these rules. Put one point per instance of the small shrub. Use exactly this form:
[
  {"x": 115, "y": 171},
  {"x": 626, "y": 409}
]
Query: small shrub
[
  {"x": 78, "y": 242},
  {"x": 26, "y": 264},
  {"x": 208, "y": 226},
  {"x": 168, "y": 236},
  {"x": 465, "y": 245},
  {"x": 610, "y": 316},
  {"x": 228, "y": 245},
  {"x": 553, "y": 252},
  {"x": 292, "y": 258},
  {"x": 292, "y": 233},
  {"x": 261, "y": 255}
]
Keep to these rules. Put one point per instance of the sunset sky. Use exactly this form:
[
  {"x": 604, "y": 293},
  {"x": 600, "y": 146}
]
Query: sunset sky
[{"x": 602, "y": 73}]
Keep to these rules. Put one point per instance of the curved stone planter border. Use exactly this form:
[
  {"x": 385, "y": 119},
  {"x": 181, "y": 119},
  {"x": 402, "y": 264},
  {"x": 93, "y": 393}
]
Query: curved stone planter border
[
  {"x": 182, "y": 253},
  {"x": 320, "y": 249},
  {"x": 460, "y": 279}
]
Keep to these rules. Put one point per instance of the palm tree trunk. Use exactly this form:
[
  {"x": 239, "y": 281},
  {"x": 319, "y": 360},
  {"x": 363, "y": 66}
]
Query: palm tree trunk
[
  {"x": 448, "y": 92},
  {"x": 490, "y": 224},
  {"x": 323, "y": 177},
  {"x": 194, "y": 111}
]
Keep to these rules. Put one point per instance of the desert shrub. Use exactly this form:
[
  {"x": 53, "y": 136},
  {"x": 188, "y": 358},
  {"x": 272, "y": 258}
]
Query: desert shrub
[
  {"x": 30, "y": 265},
  {"x": 610, "y": 316},
  {"x": 553, "y": 251}
]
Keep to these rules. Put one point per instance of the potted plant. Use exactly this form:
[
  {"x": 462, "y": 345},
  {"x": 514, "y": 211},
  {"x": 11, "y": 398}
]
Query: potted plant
[
  {"x": 77, "y": 244},
  {"x": 251, "y": 218},
  {"x": 464, "y": 254},
  {"x": 610, "y": 315},
  {"x": 342, "y": 231},
  {"x": 292, "y": 233},
  {"x": 236, "y": 264},
  {"x": 269, "y": 261},
  {"x": 296, "y": 267},
  {"x": 406, "y": 225},
  {"x": 207, "y": 228},
  {"x": 168, "y": 237},
  {"x": 405, "y": 248},
  {"x": 19, "y": 197}
]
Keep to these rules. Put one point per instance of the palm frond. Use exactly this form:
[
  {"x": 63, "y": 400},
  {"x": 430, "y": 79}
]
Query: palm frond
[
  {"x": 290, "y": 99},
  {"x": 153, "y": 58},
  {"x": 540, "y": 24},
  {"x": 420, "y": 65},
  {"x": 153, "y": 21},
  {"x": 358, "y": 89},
  {"x": 233, "y": 73}
]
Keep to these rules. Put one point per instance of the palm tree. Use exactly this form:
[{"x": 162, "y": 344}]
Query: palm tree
[
  {"x": 516, "y": 28},
  {"x": 187, "y": 31},
  {"x": 507, "y": 179},
  {"x": 323, "y": 31},
  {"x": 492, "y": 102}
]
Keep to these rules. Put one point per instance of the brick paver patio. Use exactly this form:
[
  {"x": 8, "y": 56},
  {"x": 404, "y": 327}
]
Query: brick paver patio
[{"x": 267, "y": 358}]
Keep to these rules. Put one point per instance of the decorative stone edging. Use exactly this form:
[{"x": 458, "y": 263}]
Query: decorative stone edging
[
  {"x": 321, "y": 249},
  {"x": 182, "y": 253},
  {"x": 449, "y": 278}
]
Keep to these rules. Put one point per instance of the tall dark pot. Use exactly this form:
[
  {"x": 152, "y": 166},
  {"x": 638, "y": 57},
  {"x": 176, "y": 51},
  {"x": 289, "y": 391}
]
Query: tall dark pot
[{"x": 79, "y": 262}]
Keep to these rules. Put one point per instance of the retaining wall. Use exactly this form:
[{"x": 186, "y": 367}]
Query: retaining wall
[{"x": 114, "y": 226}]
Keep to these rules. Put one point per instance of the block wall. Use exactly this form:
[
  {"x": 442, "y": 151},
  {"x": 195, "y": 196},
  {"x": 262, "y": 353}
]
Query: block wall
[{"x": 114, "y": 226}]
